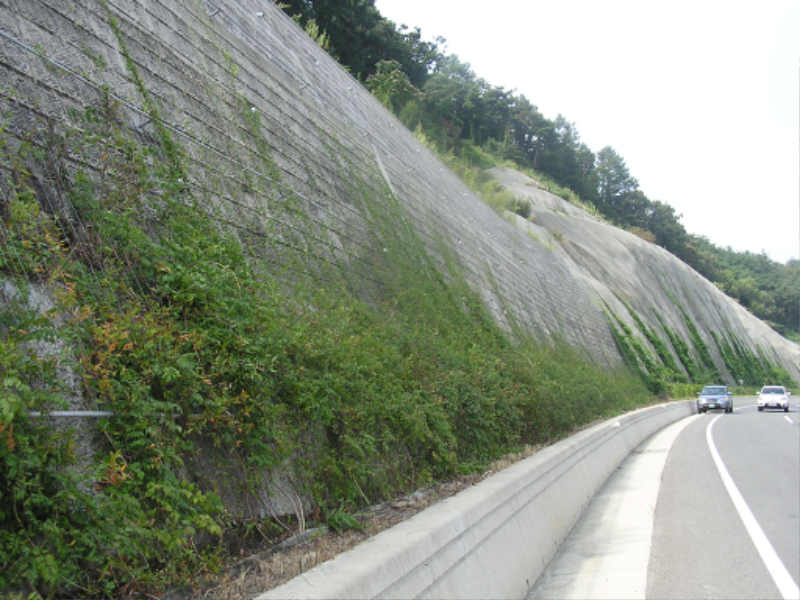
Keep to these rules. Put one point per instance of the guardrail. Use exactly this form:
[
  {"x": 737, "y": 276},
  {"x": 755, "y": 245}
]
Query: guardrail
[{"x": 494, "y": 539}]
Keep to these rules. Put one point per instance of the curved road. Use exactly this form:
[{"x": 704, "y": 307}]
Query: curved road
[
  {"x": 701, "y": 547},
  {"x": 717, "y": 501}
]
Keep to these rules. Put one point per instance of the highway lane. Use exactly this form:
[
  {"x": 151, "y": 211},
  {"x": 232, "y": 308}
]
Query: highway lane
[
  {"x": 665, "y": 525},
  {"x": 701, "y": 547}
]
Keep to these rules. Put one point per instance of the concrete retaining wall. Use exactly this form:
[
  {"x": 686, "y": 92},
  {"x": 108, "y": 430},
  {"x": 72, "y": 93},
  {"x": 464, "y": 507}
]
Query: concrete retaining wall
[
  {"x": 494, "y": 539},
  {"x": 262, "y": 114},
  {"x": 206, "y": 64}
]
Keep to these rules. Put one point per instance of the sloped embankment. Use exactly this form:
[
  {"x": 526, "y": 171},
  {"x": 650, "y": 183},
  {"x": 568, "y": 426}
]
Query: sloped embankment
[
  {"x": 272, "y": 298},
  {"x": 635, "y": 278}
]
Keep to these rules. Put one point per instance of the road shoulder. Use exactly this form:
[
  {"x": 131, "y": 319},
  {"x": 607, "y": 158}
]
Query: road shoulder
[{"x": 607, "y": 553}]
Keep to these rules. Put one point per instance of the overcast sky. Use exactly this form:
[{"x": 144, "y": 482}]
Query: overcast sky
[{"x": 701, "y": 99}]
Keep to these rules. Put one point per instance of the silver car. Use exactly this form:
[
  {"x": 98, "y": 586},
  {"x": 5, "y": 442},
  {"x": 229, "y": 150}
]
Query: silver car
[
  {"x": 773, "y": 396},
  {"x": 713, "y": 397}
]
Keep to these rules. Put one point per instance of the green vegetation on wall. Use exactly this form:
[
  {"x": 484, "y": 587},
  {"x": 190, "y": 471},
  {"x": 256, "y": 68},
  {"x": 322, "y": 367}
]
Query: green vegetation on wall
[
  {"x": 661, "y": 373},
  {"x": 681, "y": 348},
  {"x": 701, "y": 348},
  {"x": 638, "y": 355},
  {"x": 669, "y": 370},
  {"x": 228, "y": 360},
  {"x": 748, "y": 368}
]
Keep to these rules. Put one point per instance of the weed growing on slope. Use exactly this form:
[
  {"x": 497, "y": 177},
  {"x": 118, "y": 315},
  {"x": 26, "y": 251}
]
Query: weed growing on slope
[
  {"x": 749, "y": 368},
  {"x": 204, "y": 353}
]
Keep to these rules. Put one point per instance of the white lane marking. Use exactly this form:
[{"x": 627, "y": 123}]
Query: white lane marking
[
  {"x": 788, "y": 419},
  {"x": 786, "y": 585}
]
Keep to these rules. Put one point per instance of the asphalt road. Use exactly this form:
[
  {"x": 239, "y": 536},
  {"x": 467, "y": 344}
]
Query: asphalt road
[
  {"x": 706, "y": 508},
  {"x": 701, "y": 547}
]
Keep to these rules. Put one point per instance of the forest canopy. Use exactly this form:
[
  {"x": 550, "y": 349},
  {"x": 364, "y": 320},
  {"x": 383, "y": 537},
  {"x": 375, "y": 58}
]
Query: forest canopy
[{"x": 440, "y": 96}]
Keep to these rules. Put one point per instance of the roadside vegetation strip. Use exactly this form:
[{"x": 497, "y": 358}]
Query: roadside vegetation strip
[
  {"x": 495, "y": 527},
  {"x": 777, "y": 570}
]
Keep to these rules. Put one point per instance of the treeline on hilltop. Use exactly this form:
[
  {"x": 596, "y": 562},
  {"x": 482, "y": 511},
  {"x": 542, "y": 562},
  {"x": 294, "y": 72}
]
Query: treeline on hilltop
[{"x": 441, "y": 97}]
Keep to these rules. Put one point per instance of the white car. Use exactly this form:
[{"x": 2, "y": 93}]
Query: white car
[{"x": 773, "y": 396}]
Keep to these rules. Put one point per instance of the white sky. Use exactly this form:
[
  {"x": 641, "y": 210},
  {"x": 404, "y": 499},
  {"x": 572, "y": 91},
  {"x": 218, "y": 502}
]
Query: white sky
[{"x": 701, "y": 98}]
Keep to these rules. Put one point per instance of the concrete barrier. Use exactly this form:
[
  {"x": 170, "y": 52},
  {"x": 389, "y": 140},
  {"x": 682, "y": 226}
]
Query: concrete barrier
[{"x": 494, "y": 539}]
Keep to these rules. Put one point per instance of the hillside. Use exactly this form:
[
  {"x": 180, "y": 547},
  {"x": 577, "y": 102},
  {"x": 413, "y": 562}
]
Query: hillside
[
  {"x": 463, "y": 115},
  {"x": 260, "y": 301},
  {"x": 627, "y": 272}
]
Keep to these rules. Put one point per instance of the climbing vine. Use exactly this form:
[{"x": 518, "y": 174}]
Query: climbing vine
[
  {"x": 649, "y": 368},
  {"x": 747, "y": 367}
]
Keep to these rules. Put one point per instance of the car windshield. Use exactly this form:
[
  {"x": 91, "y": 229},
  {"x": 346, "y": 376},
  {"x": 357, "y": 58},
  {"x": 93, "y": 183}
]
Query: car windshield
[
  {"x": 773, "y": 390},
  {"x": 713, "y": 390}
]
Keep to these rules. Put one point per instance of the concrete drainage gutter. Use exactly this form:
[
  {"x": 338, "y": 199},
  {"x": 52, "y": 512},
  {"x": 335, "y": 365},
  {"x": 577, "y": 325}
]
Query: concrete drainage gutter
[{"x": 492, "y": 540}]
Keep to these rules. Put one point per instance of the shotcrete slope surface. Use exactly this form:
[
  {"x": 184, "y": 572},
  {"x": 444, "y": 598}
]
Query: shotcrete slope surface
[
  {"x": 618, "y": 264},
  {"x": 211, "y": 66}
]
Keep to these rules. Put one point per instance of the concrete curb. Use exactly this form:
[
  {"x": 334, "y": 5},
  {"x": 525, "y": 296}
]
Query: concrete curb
[
  {"x": 607, "y": 553},
  {"x": 494, "y": 539}
]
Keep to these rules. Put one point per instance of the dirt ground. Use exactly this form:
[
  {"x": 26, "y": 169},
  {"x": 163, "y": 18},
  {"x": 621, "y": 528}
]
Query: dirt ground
[{"x": 270, "y": 568}]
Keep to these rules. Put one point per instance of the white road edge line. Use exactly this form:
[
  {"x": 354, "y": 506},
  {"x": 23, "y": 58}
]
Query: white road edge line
[
  {"x": 786, "y": 585},
  {"x": 788, "y": 419}
]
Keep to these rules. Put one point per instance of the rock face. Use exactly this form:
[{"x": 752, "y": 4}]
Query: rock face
[
  {"x": 263, "y": 113},
  {"x": 621, "y": 267}
]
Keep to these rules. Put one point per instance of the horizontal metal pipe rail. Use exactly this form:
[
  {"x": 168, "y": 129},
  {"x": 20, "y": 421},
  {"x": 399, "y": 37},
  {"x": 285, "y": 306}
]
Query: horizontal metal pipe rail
[
  {"x": 97, "y": 414},
  {"x": 73, "y": 413}
]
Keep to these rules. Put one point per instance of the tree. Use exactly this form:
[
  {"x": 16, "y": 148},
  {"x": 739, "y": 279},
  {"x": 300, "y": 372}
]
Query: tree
[
  {"x": 360, "y": 37},
  {"x": 527, "y": 129},
  {"x": 568, "y": 160},
  {"x": 787, "y": 301},
  {"x": 419, "y": 59},
  {"x": 665, "y": 224},
  {"x": 391, "y": 86},
  {"x": 444, "y": 108},
  {"x": 614, "y": 182}
]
